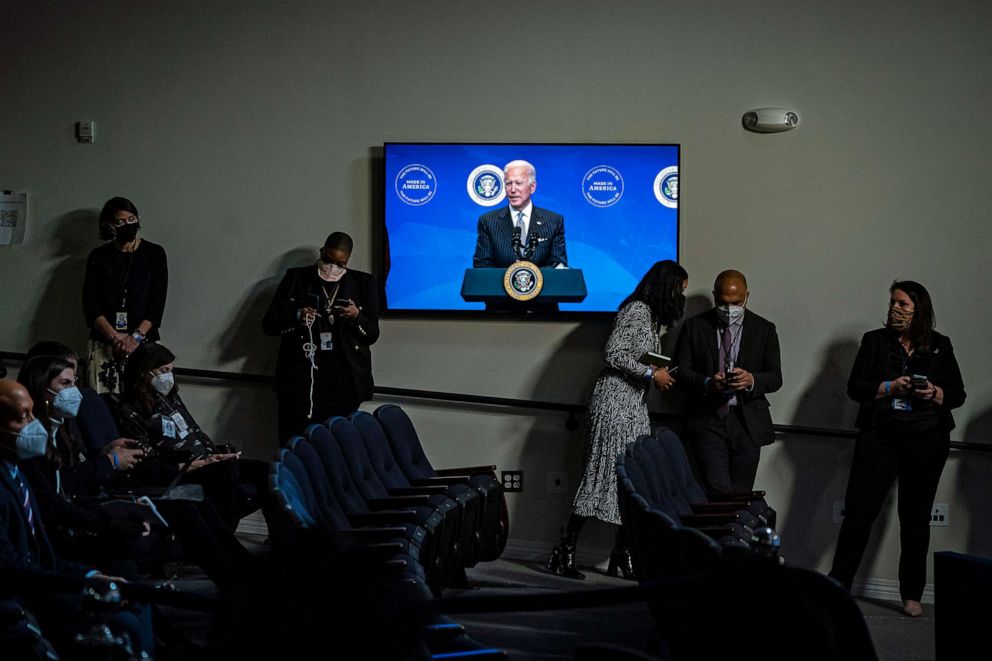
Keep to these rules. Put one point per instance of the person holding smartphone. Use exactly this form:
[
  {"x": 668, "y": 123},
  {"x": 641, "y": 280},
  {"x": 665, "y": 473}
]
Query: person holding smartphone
[
  {"x": 327, "y": 317},
  {"x": 907, "y": 381},
  {"x": 729, "y": 361}
]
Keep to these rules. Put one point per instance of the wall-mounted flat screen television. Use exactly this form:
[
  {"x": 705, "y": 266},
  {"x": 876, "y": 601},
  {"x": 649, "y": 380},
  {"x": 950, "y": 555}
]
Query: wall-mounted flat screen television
[{"x": 604, "y": 212}]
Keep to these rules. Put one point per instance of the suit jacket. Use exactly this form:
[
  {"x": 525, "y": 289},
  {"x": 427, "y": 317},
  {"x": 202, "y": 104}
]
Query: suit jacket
[
  {"x": 697, "y": 356},
  {"x": 494, "y": 243},
  {"x": 19, "y": 549},
  {"x": 299, "y": 288}
]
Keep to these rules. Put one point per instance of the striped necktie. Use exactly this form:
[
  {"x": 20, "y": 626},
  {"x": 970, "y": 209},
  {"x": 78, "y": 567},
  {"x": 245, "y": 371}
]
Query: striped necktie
[{"x": 25, "y": 500}]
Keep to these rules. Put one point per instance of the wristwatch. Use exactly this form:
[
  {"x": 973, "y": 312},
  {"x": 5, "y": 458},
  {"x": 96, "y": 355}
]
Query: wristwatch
[{"x": 138, "y": 337}]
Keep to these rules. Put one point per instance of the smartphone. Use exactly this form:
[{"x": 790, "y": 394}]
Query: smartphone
[
  {"x": 342, "y": 302},
  {"x": 918, "y": 381}
]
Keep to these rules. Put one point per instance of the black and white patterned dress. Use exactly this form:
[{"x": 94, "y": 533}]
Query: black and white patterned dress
[{"x": 618, "y": 411}]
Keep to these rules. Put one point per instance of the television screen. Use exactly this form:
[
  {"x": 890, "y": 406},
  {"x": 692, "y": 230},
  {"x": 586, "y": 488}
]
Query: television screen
[{"x": 605, "y": 211}]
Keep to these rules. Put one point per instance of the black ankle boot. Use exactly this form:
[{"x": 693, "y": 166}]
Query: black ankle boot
[
  {"x": 620, "y": 561},
  {"x": 562, "y": 560}
]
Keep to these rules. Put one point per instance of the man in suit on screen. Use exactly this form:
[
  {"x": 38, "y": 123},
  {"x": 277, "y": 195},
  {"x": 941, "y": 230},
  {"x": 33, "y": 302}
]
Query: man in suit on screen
[
  {"x": 728, "y": 360},
  {"x": 520, "y": 230}
]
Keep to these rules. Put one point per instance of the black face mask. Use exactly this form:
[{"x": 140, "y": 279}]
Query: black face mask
[{"x": 126, "y": 233}]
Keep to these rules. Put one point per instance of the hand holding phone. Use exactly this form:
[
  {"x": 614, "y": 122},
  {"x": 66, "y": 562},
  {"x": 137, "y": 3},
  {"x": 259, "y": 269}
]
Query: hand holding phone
[{"x": 918, "y": 382}]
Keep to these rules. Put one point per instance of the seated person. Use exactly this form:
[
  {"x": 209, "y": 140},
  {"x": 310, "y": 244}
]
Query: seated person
[
  {"x": 24, "y": 544},
  {"x": 152, "y": 412},
  {"x": 68, "y": 487}
]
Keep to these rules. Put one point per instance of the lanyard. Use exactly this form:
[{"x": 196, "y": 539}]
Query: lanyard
[{"x": 127, "y": 272}]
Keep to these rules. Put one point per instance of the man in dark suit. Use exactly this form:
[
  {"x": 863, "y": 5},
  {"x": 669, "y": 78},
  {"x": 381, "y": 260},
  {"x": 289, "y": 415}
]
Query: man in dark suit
[
  {"x": 728, "y": 360},
  {"x": 521, "y": 230},
  {"x": 336, "y": 309},
  {"x": 24, "y": 543}
]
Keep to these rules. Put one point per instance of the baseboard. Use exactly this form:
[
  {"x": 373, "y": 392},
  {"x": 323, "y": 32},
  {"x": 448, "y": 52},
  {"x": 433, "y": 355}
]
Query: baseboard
[
  {"x": 529, "y": 551},
  {"x": 885, "y": 589}
]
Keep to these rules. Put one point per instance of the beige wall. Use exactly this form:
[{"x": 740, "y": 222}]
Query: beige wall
[{"x": 243, "y": 131}]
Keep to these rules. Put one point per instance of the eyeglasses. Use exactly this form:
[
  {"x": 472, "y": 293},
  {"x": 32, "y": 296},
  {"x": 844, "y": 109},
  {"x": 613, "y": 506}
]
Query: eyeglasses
[{"x": 117, "y": 222}]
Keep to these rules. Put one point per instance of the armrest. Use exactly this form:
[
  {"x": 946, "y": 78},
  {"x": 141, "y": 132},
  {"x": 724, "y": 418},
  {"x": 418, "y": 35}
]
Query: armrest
[
  {"x": 697, "y": 520},
  {"x": 380, "y": 534},
  {"x": 746, "y": 495},
  {"x": 418, "y": 491},
  {"x": 383, "y": 517},
  {"x": 379, "y": 504},
  {"x": 468, "y": 470},
  {"x": 446, "y": 480},
  {"x": 715, "y": 508}
]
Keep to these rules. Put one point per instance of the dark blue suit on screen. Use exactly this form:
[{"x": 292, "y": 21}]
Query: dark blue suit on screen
[{"x": 494, "y": 244}]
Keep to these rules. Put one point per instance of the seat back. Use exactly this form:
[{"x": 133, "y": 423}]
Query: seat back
[
  {"x": 358, "y": 461},
  {"x": 290, "y": 495},
  {"x": 339, "y": 480},
  {"x": 328, "y": 511},
  {"x": 371, "y": 434},
  {"x": 648, "y": 469},
  {"x": 404, "y": 442},
  {"x": 679, "y": 463},
  {"x": 96, "y": 421}
]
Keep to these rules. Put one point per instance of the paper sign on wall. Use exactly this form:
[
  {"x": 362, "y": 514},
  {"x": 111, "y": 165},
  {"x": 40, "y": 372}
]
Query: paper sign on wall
[{"x": 13, "y": 213}]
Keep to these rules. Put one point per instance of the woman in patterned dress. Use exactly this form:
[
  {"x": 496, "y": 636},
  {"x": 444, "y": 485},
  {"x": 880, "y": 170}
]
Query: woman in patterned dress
[{"x": 618, "y": 412}]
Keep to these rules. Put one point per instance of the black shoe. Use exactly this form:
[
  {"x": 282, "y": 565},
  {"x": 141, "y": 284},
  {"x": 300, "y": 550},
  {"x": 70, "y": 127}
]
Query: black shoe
[
  {"x": 562, "y": 560},
  {"x": 620, "y": 562}
]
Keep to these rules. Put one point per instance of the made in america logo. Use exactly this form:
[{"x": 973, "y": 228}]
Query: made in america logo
[
  {"x": 485, "y": 185},
  {"x": 666, "y": 187},
  {"x": 602, "y": 186},
  {"x": 416, "y": 184}
]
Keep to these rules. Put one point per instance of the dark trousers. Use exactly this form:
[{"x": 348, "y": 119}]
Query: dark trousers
[
  {"x": 877, "y": 463},
  {"x": 726, "y": 457},
  {"x": 294, "y": 407}
]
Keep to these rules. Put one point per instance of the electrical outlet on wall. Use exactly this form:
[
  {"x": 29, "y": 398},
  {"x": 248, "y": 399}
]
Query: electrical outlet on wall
[
  {"x": 940, "y": 515},
  {"x": 513, "y": 481}
]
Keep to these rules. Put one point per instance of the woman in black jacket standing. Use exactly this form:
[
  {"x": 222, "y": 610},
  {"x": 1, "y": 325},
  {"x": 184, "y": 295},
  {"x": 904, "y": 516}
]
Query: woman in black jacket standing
[
  {"x": 327, "y": 316},
  {"x": 907, "y": 381},
  {"x": 124, "y": 293}
]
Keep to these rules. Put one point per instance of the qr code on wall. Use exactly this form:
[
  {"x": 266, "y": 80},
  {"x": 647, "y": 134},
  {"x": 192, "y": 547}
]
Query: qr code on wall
[{"x": 8, "y": 218}]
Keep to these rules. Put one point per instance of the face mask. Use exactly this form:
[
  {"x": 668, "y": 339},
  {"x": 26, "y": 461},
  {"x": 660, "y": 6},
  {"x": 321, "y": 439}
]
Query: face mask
[
  {"x": 730, "y": 314},
  {"x": 336, "y": 272},
  {"x": 899, "y": 319},
  {"x": 66, "y": 401},
  {"x": 32, "y": 440},
  {"x": 126, "y": 233},
  {"x": 163, "y": 383}
]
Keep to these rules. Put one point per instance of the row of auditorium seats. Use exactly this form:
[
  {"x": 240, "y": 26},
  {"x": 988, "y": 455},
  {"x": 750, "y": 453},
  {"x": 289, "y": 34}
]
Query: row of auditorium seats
[
  {"x": 717, "y": 568},
  {"x": 367, "y": 480}
]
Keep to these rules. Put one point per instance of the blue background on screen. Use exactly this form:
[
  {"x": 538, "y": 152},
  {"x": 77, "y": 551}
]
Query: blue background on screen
[{"x": 431, "y": 244}]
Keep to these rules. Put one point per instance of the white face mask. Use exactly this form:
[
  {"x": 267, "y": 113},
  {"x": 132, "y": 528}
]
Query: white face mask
[
  {"x": 335, "y": 274},
  {"x": 163, "y": 383},
  {"x": 730, "y": 314}
]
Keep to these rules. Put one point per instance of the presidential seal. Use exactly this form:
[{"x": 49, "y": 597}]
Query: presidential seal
[
  {"x": 666, "y": 187},
  {"x": 485, "y": 185},
  {"x": 523, "y": 281},
  {"x": 602, "y": 186},
  {"x": 416, "y": 184}
]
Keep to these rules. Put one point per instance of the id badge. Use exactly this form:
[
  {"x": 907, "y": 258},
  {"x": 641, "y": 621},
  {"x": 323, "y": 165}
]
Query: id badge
[
  {"x": 181, "y": 427},
  {"x": 902, "y": 404},
  {"x": 120, "y": 321},
  {"x": 326, "y": 341},
  {"x": 168, "y": 428}
]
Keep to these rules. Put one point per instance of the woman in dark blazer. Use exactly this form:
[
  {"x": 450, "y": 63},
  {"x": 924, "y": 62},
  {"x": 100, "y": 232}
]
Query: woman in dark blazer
[
  {"x": 907, "y": 381},
  {"x": 328, "y": 318}
]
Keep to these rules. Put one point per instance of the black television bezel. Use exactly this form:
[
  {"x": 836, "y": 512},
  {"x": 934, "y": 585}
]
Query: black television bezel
[{"x": 379, "y": 236}]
